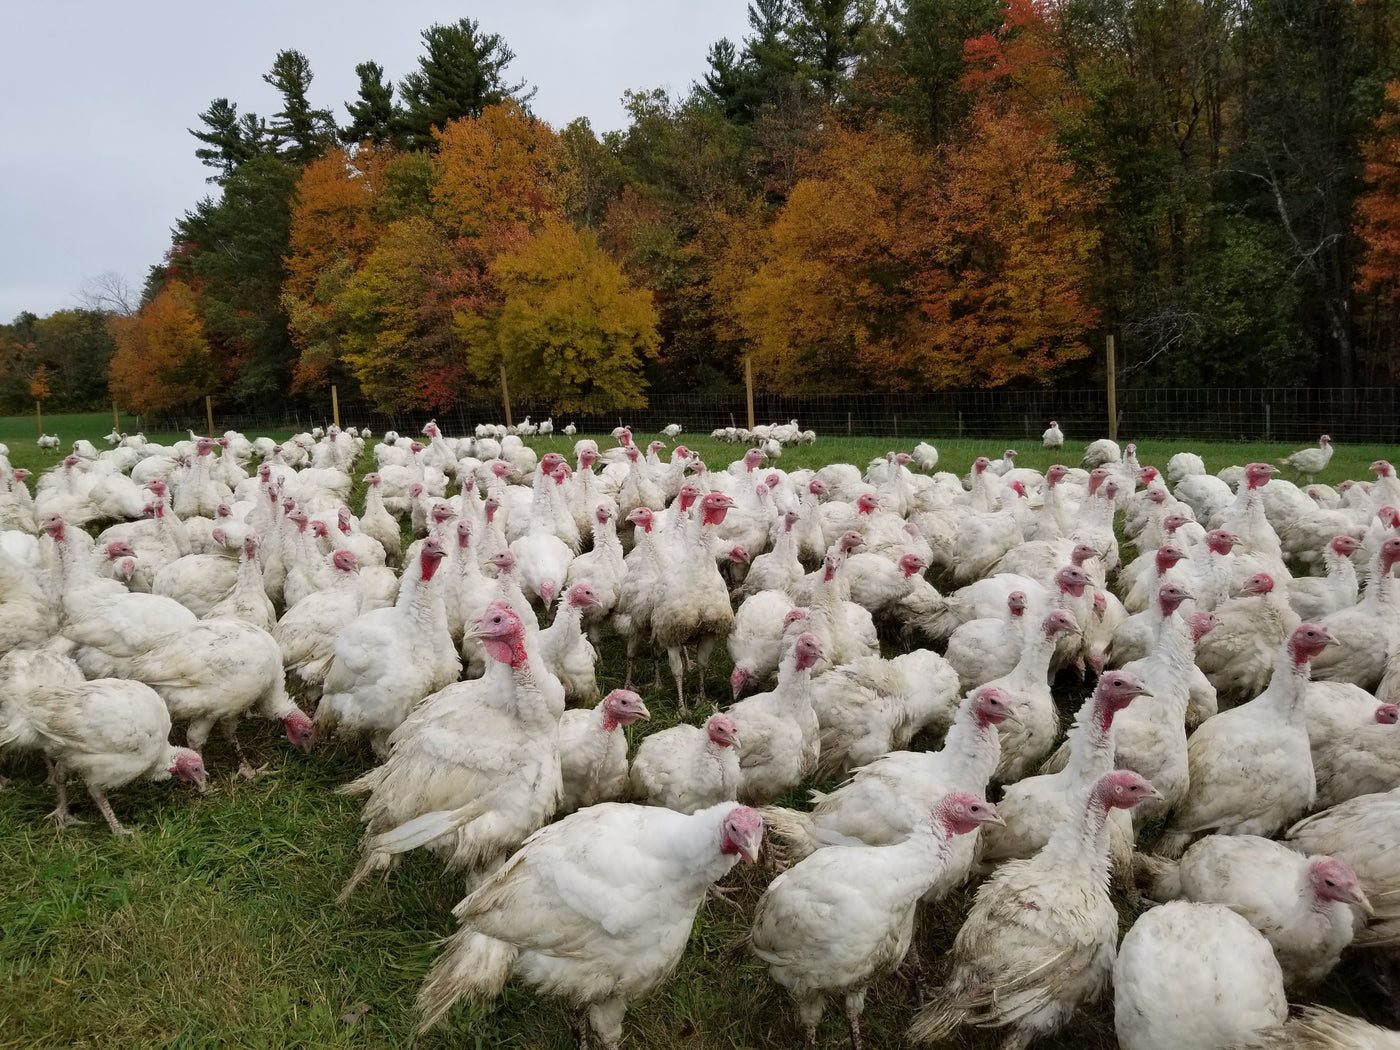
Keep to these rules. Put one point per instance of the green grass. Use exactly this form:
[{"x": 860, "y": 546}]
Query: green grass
[{"x": 216, "y": 925}]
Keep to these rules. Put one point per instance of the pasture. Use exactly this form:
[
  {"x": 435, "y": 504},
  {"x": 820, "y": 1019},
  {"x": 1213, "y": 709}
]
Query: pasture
[{"x": 216, "y": 924}]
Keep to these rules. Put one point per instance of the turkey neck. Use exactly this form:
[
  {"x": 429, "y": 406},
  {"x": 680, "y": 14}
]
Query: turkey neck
[
  {"x": 693, "y": 841},
  {"x": 531, "y": 707},
  {"x": 1380, "y": 588},
  {"x": 909, "y": 868},
  {"x": 605, "y": 540},
  {"x": 1033, "y": 668},
  {"x": 1287, "y": 689},
  {"x": 971, "y": 750},
  {"x": 1078, "y": 847},
  {"x": 1341, "y": 576},
  {"x": 422, "y": 601},
  {"x": 1090, "y": 742}
]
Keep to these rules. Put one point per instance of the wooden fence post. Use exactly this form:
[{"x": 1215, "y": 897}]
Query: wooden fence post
[
  {"x": 505, "y": 394},
  {"x": 39, "y": 418},
  {"x": 1112, "y": 392},
  {"x": 209, "y": 413},
  {"x": 748, "y": 383},
  {"x": 116, "y": 419},
  {"x": 335, "y": 407}
]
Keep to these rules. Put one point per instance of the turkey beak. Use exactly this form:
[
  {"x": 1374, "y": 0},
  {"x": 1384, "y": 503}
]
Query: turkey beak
[
  {"x": 996, "y": 819},
  {"x": 1153, "y": 793},
  {"x": 643, "y": 713},
  {"x": 750, "y": 845},
  {"x": 1013, "y": 719},
  {"x": 1360, "y": 899}
]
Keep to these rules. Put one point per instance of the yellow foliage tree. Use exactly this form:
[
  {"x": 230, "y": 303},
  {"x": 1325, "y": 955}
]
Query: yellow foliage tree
[
  {"x": 162, "y": 359},
  {"x": 570, "y": 328}
]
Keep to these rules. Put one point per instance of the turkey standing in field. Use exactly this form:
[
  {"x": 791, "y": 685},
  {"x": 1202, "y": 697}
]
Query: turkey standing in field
[
  {"x": 839, "y": 917},
  {"x": 1308, "y": 462},
  {"x": 1040, "y": 937},
  {"x": 1054, "y": 437},
  {"x": 595, "y": 909}
]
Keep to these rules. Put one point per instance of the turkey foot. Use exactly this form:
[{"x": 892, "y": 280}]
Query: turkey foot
[
  {"x": 247, "y": 772},
  {"x": 60, "y": 815},
  {"x": 725, "y": 894},
  {"x": 106, "y": 808}
]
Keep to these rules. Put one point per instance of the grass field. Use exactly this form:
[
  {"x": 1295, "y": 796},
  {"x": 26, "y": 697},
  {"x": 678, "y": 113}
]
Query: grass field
[{"x": 216, "y": 924}]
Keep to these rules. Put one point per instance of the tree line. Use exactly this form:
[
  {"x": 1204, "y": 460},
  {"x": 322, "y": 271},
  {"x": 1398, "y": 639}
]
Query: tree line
[{"x": 924, "y": 194}]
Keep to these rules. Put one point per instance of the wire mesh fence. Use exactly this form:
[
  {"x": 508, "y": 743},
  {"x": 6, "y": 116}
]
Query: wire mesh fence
[{"x": 1356, "y": 415}]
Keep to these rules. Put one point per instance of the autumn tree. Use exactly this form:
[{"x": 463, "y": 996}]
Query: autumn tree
[
  {"x": 162, "y": 359},
  {"x": 1005, "y": 296},
  {"x": 832, "y": 291},
  {"x": 1378, "y": 227},
  {"x": 494, "y": 173},
  {"x": 570, "y": 328},
  {"x": 399, "y": 339}
]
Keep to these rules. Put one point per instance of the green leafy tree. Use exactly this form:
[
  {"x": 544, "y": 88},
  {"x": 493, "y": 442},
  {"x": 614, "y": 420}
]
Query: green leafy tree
[
  {"x": 300, "y": 132},
  {"x": 461, "y": 74},
  {"x": 373, "y": 115},
  {"x": 232, "y": 251},
  {"x": 228, "y": 139},
  {"x": 571, "y": 328}
]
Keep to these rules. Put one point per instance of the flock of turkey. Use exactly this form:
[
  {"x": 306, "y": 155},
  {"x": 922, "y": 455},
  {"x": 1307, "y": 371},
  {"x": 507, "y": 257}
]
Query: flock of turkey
[{"x": 1234, "y": 758}]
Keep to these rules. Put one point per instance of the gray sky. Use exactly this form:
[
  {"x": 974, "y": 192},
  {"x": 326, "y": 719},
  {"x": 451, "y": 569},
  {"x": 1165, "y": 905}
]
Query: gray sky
[{"x": 96, "y": 163}]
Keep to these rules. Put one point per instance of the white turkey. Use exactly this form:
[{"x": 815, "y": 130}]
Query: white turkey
[
  {"x": 1251, "y": 768},
  {"x": 687, "y": 768},
  {"x": 1307, "y": 463},
  {"x": 1032, "y": 808},
  {"x": 108, "y": 732},
  {"x": 1054, "y": 437},
  {"x": 1040, "y": 938},
  {"x": 692, "y": 601},
  {"x": 835, "y": 920},
  {"x": 779, "y": 735},
  {"x": 595, "y": 909},
  {"x": 873, "y": 706},
  {"x": 566, "y": 649},
  {"x": 473, "y": 771},
  {"x": 387, "y": 660},
  {"x": 307, "y": 632},
  {"x": 1194, "y": 977},
  {"x": 1362, "y": 833},
  {"x": 882, "y": 802},
  {"x": 1308, "y": 908},
  {"x": 1318, "y": 1028},
  {"x": 593, "y": 750}
]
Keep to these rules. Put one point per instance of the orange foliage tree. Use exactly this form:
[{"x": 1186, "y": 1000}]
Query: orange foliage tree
[
  {"x": 832, "y": 291},
  {"x": 495, "y": 173},
  {"x": 1378, "y": 208},
  {"x": 162, "y": 359}
]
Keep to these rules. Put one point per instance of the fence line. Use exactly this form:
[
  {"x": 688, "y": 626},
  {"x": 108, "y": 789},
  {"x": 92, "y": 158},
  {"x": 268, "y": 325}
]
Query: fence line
[{"x": 1296, "y": 415}]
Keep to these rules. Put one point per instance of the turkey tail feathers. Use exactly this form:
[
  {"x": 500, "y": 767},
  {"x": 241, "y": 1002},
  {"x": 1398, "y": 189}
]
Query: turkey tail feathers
[
  {"x": 473, "y": 966},
  {"x": 421, "y": 830},
  {"x": 1159, "y": 876},
  {"x": 796, "y": 829}
]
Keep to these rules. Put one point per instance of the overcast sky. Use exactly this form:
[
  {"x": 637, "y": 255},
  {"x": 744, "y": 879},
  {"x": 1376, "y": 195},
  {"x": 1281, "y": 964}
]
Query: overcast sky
[{"x": 96, "y": 163}]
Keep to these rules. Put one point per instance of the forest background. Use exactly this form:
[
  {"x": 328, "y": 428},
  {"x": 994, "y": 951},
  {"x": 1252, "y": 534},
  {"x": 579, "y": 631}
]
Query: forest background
[{"x": 905, "y": 196}]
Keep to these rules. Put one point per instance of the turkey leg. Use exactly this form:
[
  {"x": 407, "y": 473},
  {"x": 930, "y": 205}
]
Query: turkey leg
[
  {"x": 60, "y": 815},
  {"x": 703, "y": 650},
  {"x": 676, "y": 656},
  {"x": 855, "y": 1003},
  {"x": 106, "y": 808},
  {"x": 229, "y": 727}
]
